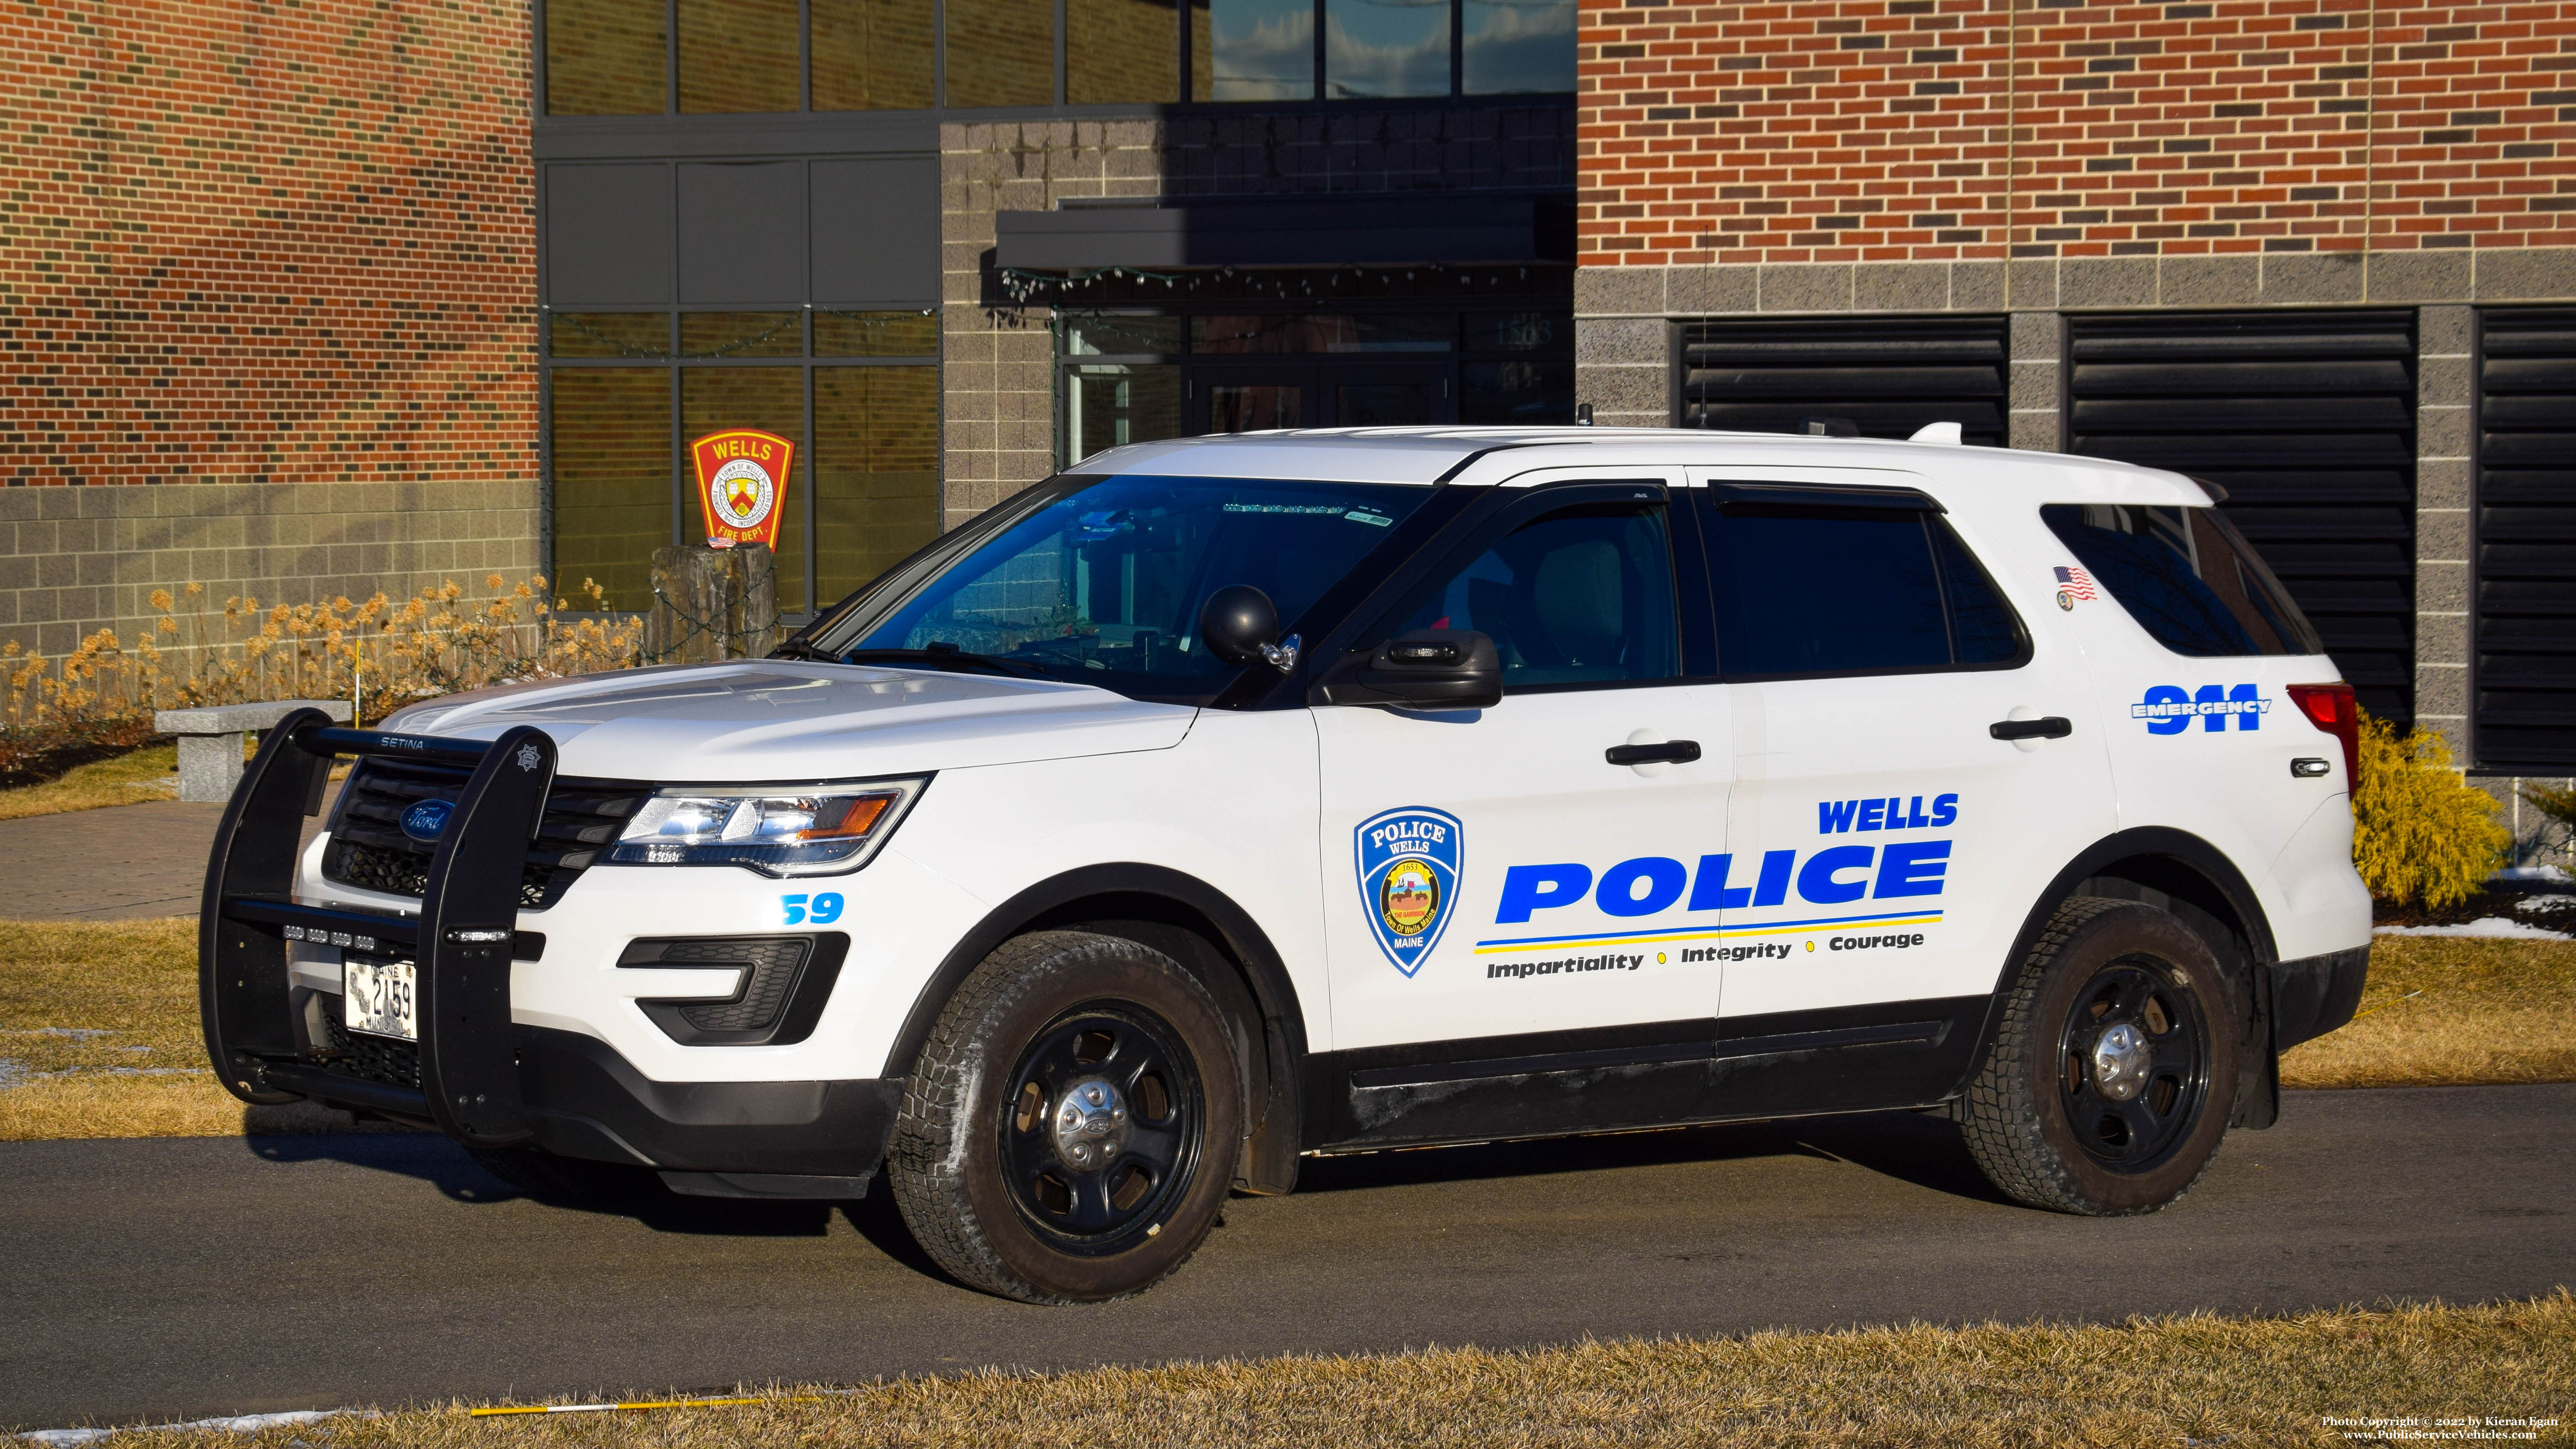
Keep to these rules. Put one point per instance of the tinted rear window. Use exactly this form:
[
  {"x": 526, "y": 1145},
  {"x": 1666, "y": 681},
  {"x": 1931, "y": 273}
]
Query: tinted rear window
[
  {"x": 2187, "y": 576},
  {"x": 1804, "y": 589}
]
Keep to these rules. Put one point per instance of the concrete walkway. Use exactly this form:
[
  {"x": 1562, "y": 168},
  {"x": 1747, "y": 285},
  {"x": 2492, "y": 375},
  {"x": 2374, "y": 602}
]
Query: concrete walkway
[{"x": 115, "y": 864}]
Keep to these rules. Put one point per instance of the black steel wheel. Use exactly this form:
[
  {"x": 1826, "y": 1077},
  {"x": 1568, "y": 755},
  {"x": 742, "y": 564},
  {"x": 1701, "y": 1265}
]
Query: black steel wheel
[
  {"x": 1103, "y": 1128},
  {"x": 2109, "y": 1083},
  {"x": 1069, "y": 1132},
  {"x": 2135, "y": 1064}
]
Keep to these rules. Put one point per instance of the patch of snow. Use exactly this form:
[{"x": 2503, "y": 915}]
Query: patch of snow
[
  {"x": 239, "y": 1424},
  {"x": 2545, "y": 903},
  {"x": 2492, "y": 926},
  {"x": 76, "y": 1033},
  {"x": 2533, "y": 872},
  {"x": 12, "y": 1072}
]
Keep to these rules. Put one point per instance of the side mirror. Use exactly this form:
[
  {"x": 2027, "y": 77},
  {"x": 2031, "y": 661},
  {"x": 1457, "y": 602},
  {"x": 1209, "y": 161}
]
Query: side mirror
[
  {"x": 1240, "y": 625},
  {"x": 1432, "y": 669}
]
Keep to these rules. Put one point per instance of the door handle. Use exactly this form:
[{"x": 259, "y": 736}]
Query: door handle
[
  {"x": 2047, "y": 727},
  {"x": 1676, "y": 752}
]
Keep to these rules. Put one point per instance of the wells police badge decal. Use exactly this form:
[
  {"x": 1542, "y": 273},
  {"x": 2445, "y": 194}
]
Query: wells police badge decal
[{"x": 1410, "y": 861}]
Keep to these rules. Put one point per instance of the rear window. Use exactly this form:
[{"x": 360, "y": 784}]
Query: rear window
[
  {"x": 2187, "y": 576},
  {"x": 1803, "y": 589}
]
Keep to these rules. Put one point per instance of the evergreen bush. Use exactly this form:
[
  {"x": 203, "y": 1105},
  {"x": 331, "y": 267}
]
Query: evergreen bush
[{"x": 2421, "y": 834}]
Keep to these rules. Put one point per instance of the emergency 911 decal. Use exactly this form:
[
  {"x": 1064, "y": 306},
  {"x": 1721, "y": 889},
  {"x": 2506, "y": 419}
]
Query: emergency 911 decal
[
  {"x": 1410, "y": 861},
  {"x": 2169, "y": 711}
]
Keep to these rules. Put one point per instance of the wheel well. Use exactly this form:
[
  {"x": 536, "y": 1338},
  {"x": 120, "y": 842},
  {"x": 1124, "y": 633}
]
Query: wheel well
[{"x": 1213, "y": 940}]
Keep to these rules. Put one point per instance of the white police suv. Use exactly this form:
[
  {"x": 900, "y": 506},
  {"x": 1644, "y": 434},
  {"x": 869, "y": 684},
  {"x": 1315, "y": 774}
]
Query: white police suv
[{"x": 1229, "y": 800}]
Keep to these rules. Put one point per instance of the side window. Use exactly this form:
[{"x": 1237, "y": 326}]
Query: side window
[
  {"x": 1582, "y": 595},
  {"x": 1805, "y": 588},
  {"x": 2186, "y": 575}
]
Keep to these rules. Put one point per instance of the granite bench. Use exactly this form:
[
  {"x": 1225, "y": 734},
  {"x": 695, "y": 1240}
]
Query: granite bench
[{"x": 212, "y": 737}]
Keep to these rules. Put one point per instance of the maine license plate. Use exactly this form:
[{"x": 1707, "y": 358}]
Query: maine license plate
[{"x": 376, "y": 998}]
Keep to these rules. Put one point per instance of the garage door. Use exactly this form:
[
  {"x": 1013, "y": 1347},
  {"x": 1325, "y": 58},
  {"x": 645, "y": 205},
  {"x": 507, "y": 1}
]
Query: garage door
[
  {"x": 1887, "y": 376},
  {"x": 2307, "y": 419},
  {"x": 2523, "y": 713}
]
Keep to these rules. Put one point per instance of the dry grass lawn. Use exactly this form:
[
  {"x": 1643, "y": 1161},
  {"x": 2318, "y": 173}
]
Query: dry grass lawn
[
  {"x": 99, "y": 1037},
  {"x": 2150, "y": 1382},
  {"x": 2452, "y": 1011},
  {"x": 146, "y": 774},
  {"x": 98, "y": 1029}
]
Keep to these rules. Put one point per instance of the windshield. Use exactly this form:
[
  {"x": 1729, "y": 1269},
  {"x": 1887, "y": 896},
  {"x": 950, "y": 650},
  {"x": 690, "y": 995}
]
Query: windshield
[{"x": 1104, "y": 585}]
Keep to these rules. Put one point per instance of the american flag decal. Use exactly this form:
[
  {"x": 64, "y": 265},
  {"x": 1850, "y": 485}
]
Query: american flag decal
[{"x": 2076, "y": 583}]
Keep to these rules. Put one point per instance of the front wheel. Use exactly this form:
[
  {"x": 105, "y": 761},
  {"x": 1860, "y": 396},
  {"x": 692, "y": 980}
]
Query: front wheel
[
  {"x": 1068, "y": 1135},
  {"x": 2110, "y": 1082}
]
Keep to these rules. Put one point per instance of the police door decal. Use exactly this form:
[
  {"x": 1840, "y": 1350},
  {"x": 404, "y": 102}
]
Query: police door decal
[{"x": 1410, "y": 861}]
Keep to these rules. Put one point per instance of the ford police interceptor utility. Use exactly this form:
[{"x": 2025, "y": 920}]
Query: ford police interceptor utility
[{"x": 1229, "y": 800}]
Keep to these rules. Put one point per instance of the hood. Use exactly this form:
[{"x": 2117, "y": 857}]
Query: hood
[{"x": 787, "y": 720}]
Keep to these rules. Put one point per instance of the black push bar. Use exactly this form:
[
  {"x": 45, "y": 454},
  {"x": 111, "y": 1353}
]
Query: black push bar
[{"x": 460, "y": 943}]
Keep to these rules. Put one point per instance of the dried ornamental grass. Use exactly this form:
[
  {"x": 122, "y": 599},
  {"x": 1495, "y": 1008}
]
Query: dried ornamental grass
[
  {"x": 2444, "y": 1011},
  {"x": 383, "y": 654},
  {"x": 2149, "y": 1382}
]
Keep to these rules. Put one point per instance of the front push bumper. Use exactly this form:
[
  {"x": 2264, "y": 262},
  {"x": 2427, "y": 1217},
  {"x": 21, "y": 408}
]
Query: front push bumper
[{"x": 474, "y": 1074}]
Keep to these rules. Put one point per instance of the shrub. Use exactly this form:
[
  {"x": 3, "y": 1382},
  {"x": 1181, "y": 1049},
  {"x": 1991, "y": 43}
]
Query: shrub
[
  {"x": 2559, "y": 804},
  {"x": 2421, "y": 833},
  {"x": 386, "y": 654}
]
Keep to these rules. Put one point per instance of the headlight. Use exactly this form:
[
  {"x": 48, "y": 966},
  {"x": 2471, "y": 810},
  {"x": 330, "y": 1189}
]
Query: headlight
[{"x": 773, "y": 829}]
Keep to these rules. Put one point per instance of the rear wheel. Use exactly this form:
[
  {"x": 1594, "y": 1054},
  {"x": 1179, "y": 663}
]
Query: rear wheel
[
  {"x": 2109, "y": 1084},
  {"x": 1068, "y": 1135}
]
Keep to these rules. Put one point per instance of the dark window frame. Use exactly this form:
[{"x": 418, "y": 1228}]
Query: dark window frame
[
  {"x": 1184, "y": 24},
  {"x": 673, "y": 363}
]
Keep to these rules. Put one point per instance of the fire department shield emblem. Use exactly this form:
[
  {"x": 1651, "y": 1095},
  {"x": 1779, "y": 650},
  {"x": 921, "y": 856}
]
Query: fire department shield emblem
[
  {"x": 1410, "y": 861},
  {"x": 742, "y": 484}
]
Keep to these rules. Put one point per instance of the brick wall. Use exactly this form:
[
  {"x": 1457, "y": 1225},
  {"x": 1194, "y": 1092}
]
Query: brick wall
[
  {"x": 1945, "y": 130},
  {"x": 272, "y": 265}
]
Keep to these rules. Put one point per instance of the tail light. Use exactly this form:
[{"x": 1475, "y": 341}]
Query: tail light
[{"x": 2332, "y": 708}]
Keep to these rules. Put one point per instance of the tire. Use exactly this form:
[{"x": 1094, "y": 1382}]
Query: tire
[
  {"x": 546, "y": 1176},
  {"x": 2067, "y": 1112},
  {"x": 1014, "y": 1177}
]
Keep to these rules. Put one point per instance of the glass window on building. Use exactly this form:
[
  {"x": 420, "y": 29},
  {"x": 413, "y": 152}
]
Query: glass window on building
[
  {"x": 1258, "y": 50},
  {"x": 876, "y": 470},
  {"x": 1001, "y": 52},
  {"x": 771, "y": 399},
  {"x": 872, "y": 55},
  {"x": 1114, "y": 403},
  {"x": 740, "y": 55},
  {"x": 605, "y": 58},
  {"x": 1509, "y": 46},
  {"x": 1375, "y": 49},
  {"x": 612, "y": 480},
  {"x": 1119, "y": 52}
]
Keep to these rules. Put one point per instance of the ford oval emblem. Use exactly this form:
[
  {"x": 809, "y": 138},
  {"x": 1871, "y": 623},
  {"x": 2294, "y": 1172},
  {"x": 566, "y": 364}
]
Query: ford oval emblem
[{"x": 427, "y": 820}]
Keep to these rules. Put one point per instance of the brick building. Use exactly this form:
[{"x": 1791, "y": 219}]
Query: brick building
[{"x": 335, "y": 296}]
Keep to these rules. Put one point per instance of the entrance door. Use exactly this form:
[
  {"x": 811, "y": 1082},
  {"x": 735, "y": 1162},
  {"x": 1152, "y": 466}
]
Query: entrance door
[
  {"x": 1500, "y": 892},
  {"x": 1254, "y": 399},
  {"x": 1886, "y": 841},
  {"x": 1391, "y": 397}
]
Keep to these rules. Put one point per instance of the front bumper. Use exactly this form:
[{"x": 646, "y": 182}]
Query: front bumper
[
  {"x": 584, "y": 1100},
  {"x": 2316, "y": 994}
]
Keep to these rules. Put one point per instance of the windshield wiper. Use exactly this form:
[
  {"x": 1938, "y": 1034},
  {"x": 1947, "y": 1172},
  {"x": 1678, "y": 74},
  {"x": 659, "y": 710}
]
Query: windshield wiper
[{"x": 946, "y": 656}]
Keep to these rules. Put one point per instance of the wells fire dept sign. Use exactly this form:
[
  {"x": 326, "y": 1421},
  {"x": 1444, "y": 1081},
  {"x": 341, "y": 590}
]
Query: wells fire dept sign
[{"x": 742, "y": 482}]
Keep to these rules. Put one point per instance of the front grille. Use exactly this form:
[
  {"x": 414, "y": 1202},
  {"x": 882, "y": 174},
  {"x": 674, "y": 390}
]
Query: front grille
[
  {"x": 368, "y": 1058},
  {"x": 368, "y": 849}
]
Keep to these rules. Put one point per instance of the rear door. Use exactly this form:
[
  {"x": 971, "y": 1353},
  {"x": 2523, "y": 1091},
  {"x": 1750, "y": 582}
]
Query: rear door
[{"x": 1886, "y": 844}]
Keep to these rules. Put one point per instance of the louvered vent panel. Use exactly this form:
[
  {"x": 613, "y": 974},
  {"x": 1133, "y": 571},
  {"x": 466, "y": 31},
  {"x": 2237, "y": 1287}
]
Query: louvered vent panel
[
  {"x": 2307, "y": 419},
  {"x": 2523, "y": 608},
  {"x": 1888, "y": 376}
]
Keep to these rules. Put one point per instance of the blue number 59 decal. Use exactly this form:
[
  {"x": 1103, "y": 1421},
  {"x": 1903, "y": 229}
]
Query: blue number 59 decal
[{"x": 824, "y": 908}]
